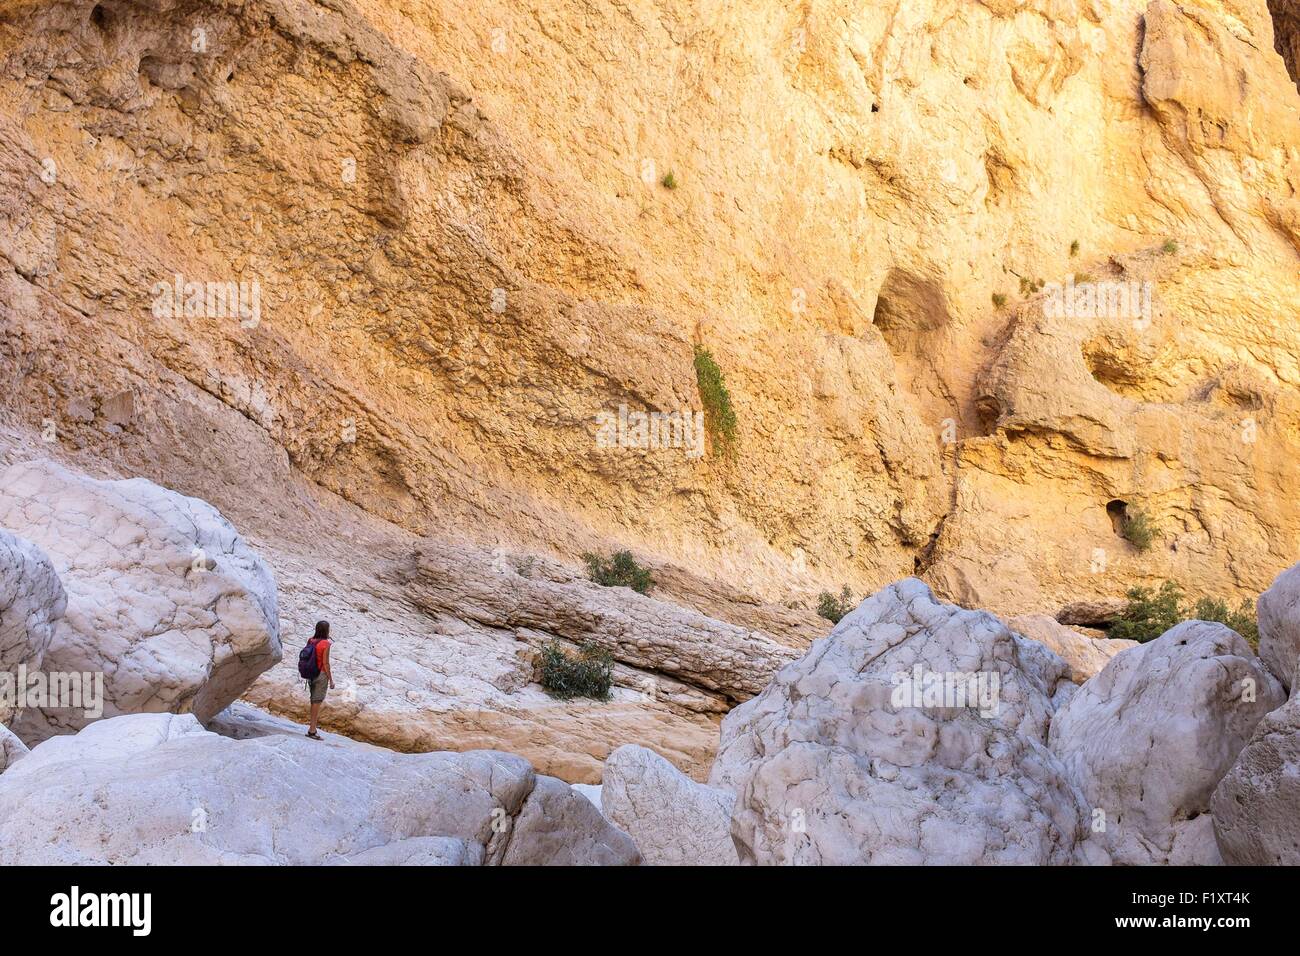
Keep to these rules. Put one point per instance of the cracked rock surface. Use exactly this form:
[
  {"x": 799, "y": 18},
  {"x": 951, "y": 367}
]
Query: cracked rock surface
[
  {"x": 158, "y": 788},
  {"x": 11, "y": 749},
  {"x": 827, "y": 770},
  {"x": 674, "y": 820},
  {"x": 1256, "y": 806},
  {"x": 163, "y": 595},
  {"x": 1150, "y": 737},
  {"x": 31, "y": 601}
]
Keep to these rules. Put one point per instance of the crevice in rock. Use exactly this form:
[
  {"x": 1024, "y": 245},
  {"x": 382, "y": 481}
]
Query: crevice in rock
[
  {"x": 1001, "y": 177},
  {"x": 1117, "y": 511},
  {"x": 912, "y": 316},
  {"x": 1286, "y": 34},
  {"x": 924, "y": 559}
]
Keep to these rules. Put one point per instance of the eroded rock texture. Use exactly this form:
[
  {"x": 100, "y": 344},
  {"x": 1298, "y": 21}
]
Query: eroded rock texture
[
  {"x": 674, "y": 820},
  {"x": 31, "y": 602},
  {"x": 157, "y": 788},
  {"x": 463, "y": 253},
  {"x": 433, "y": 245},
  {"x": 1150, "y": 737},
  {"x": 163, "y": 596},
  {"x": 1256, "y": 806},
  {"x": 1084, "y": 656},
  {"x": 828, "y": 767}
]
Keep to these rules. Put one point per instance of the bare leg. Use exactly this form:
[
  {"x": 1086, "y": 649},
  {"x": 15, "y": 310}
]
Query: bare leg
[{"x": 315, "y": 716}]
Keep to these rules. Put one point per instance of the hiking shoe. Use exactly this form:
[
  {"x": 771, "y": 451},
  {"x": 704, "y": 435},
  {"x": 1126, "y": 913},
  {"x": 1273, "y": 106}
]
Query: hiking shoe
[{"x": 313, "y": 736}]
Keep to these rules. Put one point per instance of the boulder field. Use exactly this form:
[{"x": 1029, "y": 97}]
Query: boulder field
[
  {"x": 324, "y": 308},
  {"x": 915, "y": 732}
]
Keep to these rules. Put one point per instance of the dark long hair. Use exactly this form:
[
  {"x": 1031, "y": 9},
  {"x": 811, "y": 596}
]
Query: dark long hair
[{"x": 322, "y": 631}]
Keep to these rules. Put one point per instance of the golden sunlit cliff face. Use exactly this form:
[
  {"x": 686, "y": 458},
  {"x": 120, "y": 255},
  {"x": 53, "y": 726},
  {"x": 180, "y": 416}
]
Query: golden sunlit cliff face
[{"x": 465, "y": 251}]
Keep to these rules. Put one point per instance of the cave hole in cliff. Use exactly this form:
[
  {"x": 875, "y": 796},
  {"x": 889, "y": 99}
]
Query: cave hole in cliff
[
  {"x": 908, "y": 308},
  {"x": 1117, "y": 510},
  {"x": 99, "y": 18},
  {"x": 149, "y": 68},
  {"x": 1286, "y": 34},
  {"x": 988, "y": 412},
  {"x": 912, "y": 316}
]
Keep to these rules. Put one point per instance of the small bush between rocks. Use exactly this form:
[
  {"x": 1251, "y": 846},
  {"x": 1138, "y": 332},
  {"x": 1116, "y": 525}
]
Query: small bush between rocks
[
  {"x": 1241, "y": 619},
  {"x": 619, "y": 571},
  {"x": 1150, "y": 613},
  {"x": 834, "y": 608},
  {"x": 590, "y": 674}
]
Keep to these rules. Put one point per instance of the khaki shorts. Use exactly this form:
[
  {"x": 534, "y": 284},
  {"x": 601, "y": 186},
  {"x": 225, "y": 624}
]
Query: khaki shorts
[{"x": 318, "y": 687}]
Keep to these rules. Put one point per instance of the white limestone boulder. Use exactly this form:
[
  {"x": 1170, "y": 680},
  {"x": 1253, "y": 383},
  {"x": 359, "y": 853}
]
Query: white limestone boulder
[
  {"x": 31, "y": 601},
  {"x": 674, "y": 820},
  {"x": 11, "y": 749},
  {"x": 1084, "y": 656},
  {"x": 1256, "y": 806},
  {"x": 159, "y": 789},
  {"x": 163, "y": 595},
  {"x": 1278, "y": 613},
  {"x": 838, "y": 762},
  {"x": 1150, "y": 737}
]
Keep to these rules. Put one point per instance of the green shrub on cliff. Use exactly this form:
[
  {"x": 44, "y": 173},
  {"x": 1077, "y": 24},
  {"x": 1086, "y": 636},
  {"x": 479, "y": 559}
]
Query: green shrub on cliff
[
  {"x": 620, "y": 570},
  {"x": 719, "y": 416}
]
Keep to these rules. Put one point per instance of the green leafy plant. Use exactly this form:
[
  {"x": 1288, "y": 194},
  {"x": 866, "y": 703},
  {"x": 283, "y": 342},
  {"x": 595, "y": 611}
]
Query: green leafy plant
[
  {"x": 669, "y": 180},
  {"x": 1139, "y": 530},
  {"x": 1150, "y": 613},
  {"x": 1074, "y": 248},
  {"x": 834, "y": 608},
  {"x": 1241, "y": 619},
  {"x": 620, "y": 570},
  {"x": 1170, "y": 247},
  {"x": 590, "y": 674},
  {"x": 999, "y": 299},
  {"x": 719, "y": 416}
]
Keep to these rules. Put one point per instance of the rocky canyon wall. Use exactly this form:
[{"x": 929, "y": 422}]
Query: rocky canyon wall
[{"x": 439, "y": 244}]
